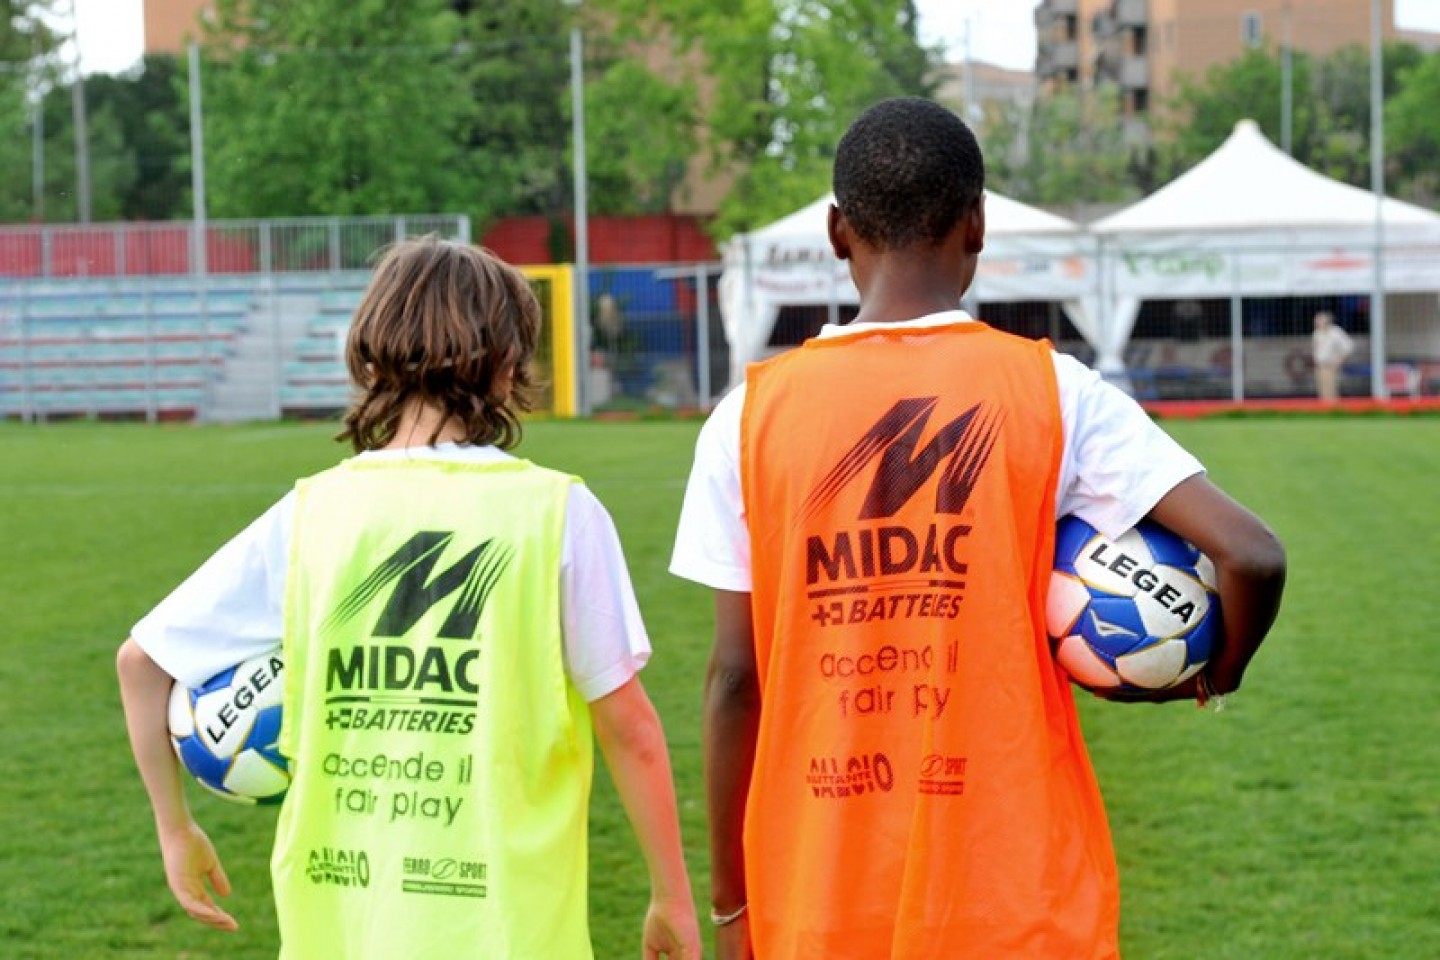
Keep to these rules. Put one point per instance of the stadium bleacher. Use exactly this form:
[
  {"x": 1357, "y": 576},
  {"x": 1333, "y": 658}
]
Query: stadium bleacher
[
  {"x": 163, "y": 348},
  {"x": 114, "y": 347}
]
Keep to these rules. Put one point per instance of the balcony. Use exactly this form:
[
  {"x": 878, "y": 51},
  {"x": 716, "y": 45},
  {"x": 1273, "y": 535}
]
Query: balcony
[
  {"x": 1134, "y": 73},
  {"x": 1050, "y": 11},
  {"x": 1131, "y": 13},
  {"x": 1057, "y": 58}
]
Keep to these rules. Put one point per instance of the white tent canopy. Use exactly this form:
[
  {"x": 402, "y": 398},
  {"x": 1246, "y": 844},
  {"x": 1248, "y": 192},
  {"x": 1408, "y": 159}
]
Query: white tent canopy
[
  {"x": 1251, "y": 221},
  {"x": 1029, "y": 255}
]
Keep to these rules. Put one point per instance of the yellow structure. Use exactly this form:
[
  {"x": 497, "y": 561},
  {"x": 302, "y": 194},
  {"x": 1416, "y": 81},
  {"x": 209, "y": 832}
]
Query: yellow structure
[{"x": 555, "y": 354}]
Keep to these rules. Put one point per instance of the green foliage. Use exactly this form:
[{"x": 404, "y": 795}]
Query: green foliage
[
  {"x": 334, "y": 107},
  {"x": 784, "y": 80},
  {"x": 1068, "y": 148},
  {"x": 1412, "y": 128},
  {"x": 28, "y": 66},
  {"x": 515, "y": 136},
  {"x": 152, "y": 115},
  {"x": 112, "y": 165},
  {"x": 640, "y": 134},
  {"x": 1330, "y": 126}
]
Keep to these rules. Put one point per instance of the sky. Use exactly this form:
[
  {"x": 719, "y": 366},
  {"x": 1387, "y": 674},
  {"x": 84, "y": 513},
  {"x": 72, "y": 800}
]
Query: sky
[{"x": 1001, "y": 31}]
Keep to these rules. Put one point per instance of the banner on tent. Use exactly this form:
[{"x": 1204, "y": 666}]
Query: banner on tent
[{"x": 1271, "y": 273}]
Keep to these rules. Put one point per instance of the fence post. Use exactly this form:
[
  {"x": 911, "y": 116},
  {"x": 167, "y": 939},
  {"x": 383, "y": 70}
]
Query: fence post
[
  {"x": 1237, "y": 333},
  {"x": 702, "y": 334},
  {"x": 28, "y": 411},
  {"x": 152, "y": 405},
  {"x": 334, "y": 245}
]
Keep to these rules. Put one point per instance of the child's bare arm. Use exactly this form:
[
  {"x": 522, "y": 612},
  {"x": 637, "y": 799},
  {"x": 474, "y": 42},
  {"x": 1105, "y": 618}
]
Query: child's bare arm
[
  {"x": 190, "y": 859},
  {"x": 633, "y": 744},
  {"x": 1249, "y": 561}
]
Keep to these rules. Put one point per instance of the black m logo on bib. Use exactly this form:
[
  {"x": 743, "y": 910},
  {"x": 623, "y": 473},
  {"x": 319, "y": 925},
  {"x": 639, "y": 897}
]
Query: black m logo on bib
[
  {"x": 414, "y": 591},
  {"x": 905, "y": 466}
]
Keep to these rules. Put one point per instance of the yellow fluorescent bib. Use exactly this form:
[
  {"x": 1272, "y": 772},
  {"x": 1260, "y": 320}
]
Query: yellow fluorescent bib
[{"x": 441, "y": 757}]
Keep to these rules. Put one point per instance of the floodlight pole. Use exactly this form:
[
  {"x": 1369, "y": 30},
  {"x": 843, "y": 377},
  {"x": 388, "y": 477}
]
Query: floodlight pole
[
  {"x": 197, "y": 162},
  {"x": 37, "y": 160},
  {"x": 82, "y": 134},
  {"x": 1287, "y": 87},
  {"x": 1378, "y": 387},
  {"x": 582, "y": 220}
]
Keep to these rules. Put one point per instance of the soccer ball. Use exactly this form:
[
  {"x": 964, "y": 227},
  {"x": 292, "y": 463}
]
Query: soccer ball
[
  {"x": 225, "y": 731},
  {"x": 1132, "y": 615}
]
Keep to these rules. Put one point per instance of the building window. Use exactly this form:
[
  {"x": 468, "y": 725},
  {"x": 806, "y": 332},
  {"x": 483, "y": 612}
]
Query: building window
[
  {"x": 1140, "y": 43},
  {"x": 1252, "y": 30}
]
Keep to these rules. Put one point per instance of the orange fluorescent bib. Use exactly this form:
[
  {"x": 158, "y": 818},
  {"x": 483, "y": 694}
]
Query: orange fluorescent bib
[{"x": 921, "y": 788}]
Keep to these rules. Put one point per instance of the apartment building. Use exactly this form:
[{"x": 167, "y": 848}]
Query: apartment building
[{"x": 1145, "y": 46}]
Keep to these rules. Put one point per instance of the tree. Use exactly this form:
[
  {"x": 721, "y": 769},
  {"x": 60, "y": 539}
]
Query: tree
[
  {"x": 1331, "y": 121},
  {"x": 27, "y": 67},
  {"x": 336, "y": 107},
  {"x": 1068, "y": 148},
  {"x": 149, "y": 108},
  {"x": 640, "y": 136},
  {"x": 516, "y": 70},
  {"x": 112, "y": 165},
  {"x": 1412, "y": 130},
  {"x": 781, "y": 80}
]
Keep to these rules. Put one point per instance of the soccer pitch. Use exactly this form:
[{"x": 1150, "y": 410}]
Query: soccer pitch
[{"x": 1303, "y": 821}]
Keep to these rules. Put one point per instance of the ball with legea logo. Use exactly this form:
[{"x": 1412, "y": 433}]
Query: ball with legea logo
[
  {"x": 1130, "y": 615},
  {"x": 225, "y": 731}
]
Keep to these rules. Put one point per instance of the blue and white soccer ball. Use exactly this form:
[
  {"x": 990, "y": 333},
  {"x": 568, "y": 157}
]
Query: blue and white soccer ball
[
  {"x": 1132, "y": 615},
  {"x": 225, "y": 731}
]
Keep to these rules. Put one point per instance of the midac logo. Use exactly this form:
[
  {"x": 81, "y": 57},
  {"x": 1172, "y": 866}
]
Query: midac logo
[
  {"x": 474, "y": 575},
  {"x": 414, "y": 666},
  {"x": 966, "y": 441},
  {"x": 899, "y": 551}
]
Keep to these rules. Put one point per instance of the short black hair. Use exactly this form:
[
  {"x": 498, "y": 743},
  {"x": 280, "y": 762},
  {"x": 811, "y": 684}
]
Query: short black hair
[{"x": 906, "y": 172}]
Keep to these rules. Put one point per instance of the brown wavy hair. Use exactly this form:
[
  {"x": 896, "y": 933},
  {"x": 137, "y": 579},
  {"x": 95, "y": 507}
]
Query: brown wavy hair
[{"x": 445, "y": 325}]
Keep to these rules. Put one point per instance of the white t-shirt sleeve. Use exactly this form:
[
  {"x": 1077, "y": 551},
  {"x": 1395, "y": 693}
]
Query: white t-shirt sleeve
[
  {"x": 230, "y": 609},
  {"x": 233, "y": 607},
  {"x": 712, "y": 541},
  {"x": 605, "y": 639},
  {"x": 1117, "y": 464}
]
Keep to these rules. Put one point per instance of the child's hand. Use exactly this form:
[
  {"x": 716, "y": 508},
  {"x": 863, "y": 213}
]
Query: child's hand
[
  {"x": 671, "y": 931},
  {"x": 190, "y": 861}
]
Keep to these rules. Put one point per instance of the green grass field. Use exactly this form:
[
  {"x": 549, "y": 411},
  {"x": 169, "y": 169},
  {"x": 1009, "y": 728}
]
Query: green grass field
[{"x": 1302, "y": 822}]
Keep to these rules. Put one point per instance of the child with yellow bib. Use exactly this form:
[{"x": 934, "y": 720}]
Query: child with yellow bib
[{"x": 458, "y": 628}]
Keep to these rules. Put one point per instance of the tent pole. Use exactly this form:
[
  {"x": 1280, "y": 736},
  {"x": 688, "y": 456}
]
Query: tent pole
[
  {"x": 1237, "y": 334},
  {"x": 1377, "y": 183}
]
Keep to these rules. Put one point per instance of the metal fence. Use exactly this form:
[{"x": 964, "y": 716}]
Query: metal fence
[
  {"x": 262, "y": 345},
  {"x": 230, "y": 247},
  {"x": 111, "y": 340}
]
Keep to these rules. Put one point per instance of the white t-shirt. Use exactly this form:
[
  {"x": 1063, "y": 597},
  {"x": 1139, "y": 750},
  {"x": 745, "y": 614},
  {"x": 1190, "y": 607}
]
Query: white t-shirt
[
  {"x": 1116, "y": 466},
  {"x": 232, "y": 607}
]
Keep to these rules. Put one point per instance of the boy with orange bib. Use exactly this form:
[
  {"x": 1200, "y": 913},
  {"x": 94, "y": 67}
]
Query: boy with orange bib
[{"x": 894, "y": 763}]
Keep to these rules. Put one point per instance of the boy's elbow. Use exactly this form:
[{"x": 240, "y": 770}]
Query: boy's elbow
[
  {"x": 1262, "y": 558},
  {"x": 732, "y": 685}
]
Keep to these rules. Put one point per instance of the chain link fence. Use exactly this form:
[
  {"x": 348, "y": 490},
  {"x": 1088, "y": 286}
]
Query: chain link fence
[{"x": 110, "y": 322}]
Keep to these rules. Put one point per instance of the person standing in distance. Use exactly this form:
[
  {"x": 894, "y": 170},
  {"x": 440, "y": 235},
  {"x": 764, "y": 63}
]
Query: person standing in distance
[
  {"x": 894, "y": 764},
  {"x": 456, "y": 622},
  {"x": 1330, "y": 345}
]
